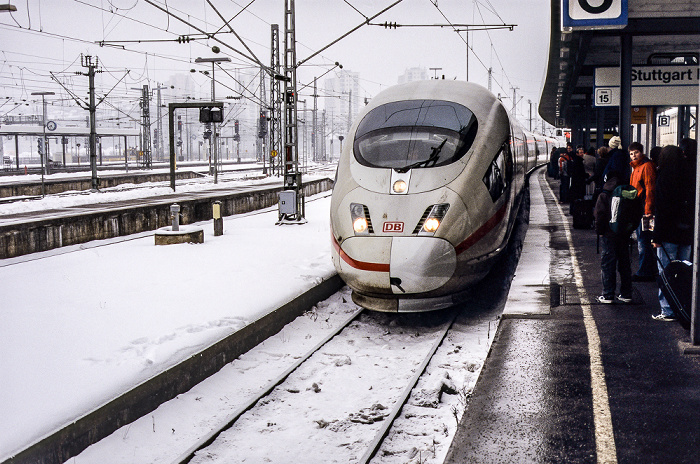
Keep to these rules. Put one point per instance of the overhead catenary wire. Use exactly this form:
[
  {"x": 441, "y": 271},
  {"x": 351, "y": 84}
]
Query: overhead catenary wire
[
  {"x": 434, "y": 3},
  {"x": 117, "y": 12}
]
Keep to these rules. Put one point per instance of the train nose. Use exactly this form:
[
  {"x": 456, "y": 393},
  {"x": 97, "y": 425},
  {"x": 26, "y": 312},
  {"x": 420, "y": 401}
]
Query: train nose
[
  {"x": 420, "y": 264},
  {"x": 396, "y": 265}
]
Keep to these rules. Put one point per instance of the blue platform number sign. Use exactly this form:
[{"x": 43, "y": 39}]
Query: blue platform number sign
[{"x": 594, "y": 14}]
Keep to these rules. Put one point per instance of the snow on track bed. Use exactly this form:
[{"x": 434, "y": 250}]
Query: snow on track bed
[
  {"x": 326, "y": 410},
  {"x": 333, "y": 405}
]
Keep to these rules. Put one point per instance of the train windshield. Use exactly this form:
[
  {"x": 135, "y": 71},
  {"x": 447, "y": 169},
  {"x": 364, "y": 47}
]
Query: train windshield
[{"x": 414, "y": 134}]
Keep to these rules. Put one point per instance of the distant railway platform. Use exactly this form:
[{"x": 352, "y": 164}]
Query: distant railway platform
[
  {"x": 78, "y": 178},
  {"x": 58, "y": 225},
  {"x": 571, "y": 380}
]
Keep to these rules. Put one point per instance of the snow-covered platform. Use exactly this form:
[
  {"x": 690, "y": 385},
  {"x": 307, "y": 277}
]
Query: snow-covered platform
[
  {"x": 41, "y": 230},
  {"x": 82, "y": 325}
]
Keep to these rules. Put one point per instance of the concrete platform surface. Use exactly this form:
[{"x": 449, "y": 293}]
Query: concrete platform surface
[{"x": 579, "y": 382}]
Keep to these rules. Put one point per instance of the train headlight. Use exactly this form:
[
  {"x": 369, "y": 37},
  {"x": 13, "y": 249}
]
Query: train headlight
[
  {"x": 400, "y": 186},
  {"x": 431, "y": 225},
  {"x": 361, "y": 223},
  {"x": 432, "y": 218}
]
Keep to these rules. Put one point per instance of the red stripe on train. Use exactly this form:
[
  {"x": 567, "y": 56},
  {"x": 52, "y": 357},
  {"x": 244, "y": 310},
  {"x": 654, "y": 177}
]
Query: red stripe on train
[
  {"x": 483, "y": 230},
  {"x": 361, "y": 265}
]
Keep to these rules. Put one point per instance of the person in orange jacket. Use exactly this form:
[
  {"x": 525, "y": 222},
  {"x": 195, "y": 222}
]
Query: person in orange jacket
[{"x": 643, "y": 178}]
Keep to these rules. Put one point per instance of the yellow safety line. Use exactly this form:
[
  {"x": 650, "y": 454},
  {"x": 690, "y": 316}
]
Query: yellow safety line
[{"x": 602, "y": 419}]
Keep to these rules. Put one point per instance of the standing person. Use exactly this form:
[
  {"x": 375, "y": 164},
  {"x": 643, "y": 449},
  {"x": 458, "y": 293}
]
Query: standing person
[
  {"x": 674, "y": 221},
  {"x": 565, "y": 159},
  {"x": 578, "y": 177},
  {"x": 600, "y": 163},
  {"x": 615, "y": 246},
  {"x": 643, "y": 178},
  {"x": 589, "y": 160},
  {"x": 619, "y": 159},
  {"x": 654, "y": 155},
  {"x": 552, "y": 167},
  {"x": 690, "y": 155}
]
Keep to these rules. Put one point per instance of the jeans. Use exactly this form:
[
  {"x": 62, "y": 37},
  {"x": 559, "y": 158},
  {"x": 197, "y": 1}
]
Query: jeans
[
  {"x": 615, "y": 253},
  {"x": 673, "y": 252},
  {"x": 647, "y": 258}
]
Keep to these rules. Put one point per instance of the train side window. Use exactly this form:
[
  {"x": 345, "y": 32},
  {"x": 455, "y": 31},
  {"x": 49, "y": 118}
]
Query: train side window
[{"x": 498, "y": 175}]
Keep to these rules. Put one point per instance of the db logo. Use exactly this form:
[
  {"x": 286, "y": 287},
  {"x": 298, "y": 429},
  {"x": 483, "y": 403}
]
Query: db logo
[{"x": 396, "y": 227}]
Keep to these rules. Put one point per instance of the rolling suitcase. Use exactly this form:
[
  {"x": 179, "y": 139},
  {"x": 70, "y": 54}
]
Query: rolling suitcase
[
  {"x": 676, "y": 284},
  {"x": 582, "y": 213}
]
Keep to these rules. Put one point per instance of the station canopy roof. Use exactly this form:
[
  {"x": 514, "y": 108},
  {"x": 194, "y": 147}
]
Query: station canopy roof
[{"x": 663, "y": 32}]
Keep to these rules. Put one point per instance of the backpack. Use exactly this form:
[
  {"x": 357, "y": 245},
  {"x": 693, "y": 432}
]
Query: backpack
[
  {"x": 566, "y": 165},
  {"x": 626, "y": 210}
]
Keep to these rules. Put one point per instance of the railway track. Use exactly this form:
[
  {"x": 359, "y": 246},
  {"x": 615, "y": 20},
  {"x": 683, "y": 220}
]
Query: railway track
[
  {"x": 316, "y": 388},
  {"x": 336, "y": 385}
]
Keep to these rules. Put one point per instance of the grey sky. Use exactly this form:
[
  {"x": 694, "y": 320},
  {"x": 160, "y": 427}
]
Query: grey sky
[{"x": 69, "y": 28}]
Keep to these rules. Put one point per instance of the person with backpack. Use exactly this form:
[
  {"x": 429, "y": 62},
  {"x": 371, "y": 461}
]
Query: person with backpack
[
  {"x": 674, "y": 220},
  {"x": 615, "y": 220},
  {"x": 643, "y": 178}
]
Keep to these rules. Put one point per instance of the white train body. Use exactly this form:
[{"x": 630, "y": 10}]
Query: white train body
[{"x": 425, "y": 195}]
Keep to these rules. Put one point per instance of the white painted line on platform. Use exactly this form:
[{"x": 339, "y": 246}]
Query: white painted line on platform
[{"x": 602, "y": 418}]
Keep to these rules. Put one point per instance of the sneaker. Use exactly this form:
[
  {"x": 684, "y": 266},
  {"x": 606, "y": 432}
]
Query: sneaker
[
  {"x": 664, "y": 318},
  {"x": 624, "y": 299},
  {"x": 605, "y": 299}
]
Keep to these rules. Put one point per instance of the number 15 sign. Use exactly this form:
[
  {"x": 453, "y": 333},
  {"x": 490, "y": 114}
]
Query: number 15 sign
[{"x": 607, "y": 96}]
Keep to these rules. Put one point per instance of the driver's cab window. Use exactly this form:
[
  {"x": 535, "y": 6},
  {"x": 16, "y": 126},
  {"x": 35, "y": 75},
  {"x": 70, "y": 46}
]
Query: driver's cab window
[{"x": 499, "y": 173}]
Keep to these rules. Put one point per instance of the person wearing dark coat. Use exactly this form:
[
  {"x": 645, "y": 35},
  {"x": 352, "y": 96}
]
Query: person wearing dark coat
[
  {"x": 577, "y": 190},
  {"x": 553, "y": 166},
  {"x": 674, "y": 219},
  {"x": 615, "y": 252},
  {"x": 690, "y": 155},
  {"x": 619, "y": 159}
]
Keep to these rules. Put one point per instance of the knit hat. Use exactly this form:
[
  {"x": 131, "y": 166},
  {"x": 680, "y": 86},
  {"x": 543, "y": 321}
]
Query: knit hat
[{"x": 615, "y": 142}]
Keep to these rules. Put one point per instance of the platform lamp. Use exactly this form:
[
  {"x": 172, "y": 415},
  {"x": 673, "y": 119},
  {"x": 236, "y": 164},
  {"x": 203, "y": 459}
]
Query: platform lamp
[
  {"x": 213, "y": 61},
  {"x": 43, "y": 123}
]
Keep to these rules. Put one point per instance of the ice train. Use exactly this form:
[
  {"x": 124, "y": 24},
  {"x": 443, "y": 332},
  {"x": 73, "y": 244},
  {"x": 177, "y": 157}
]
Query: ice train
[{"x": 426, "y": 193}]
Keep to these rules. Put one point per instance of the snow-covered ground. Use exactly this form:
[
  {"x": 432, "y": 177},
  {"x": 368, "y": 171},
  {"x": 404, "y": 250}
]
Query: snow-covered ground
[{"x": 83, "y": 324}]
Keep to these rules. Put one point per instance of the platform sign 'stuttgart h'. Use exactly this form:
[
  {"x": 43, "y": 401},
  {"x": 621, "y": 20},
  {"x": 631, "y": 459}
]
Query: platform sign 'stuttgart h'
[
  {"x": 594, "y": 14},
  {"x": 660, "y": 85}
]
